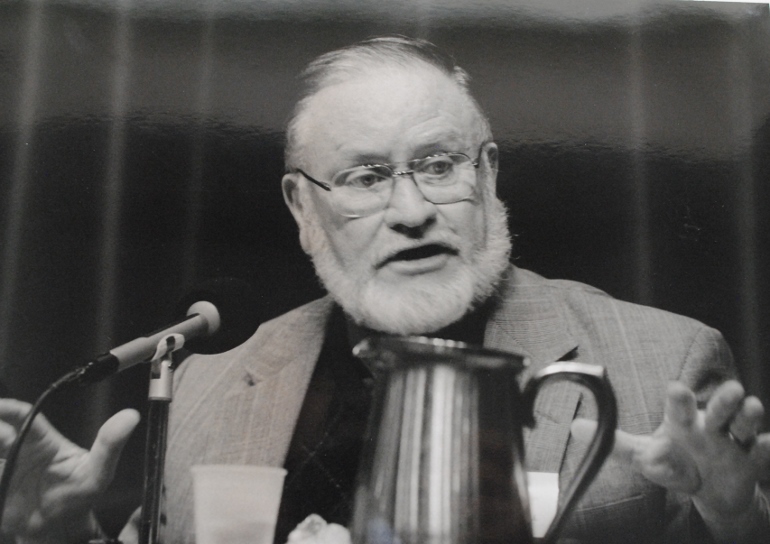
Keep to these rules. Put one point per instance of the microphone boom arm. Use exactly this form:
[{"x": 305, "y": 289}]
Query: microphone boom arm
[{"x": 202, "y": 320}]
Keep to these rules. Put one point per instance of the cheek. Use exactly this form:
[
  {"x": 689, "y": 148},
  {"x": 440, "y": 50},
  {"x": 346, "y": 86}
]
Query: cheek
[
  {"x": 469, "y": 222},
  {"x": 480, "y": 238},
  {"x": 352, "y": 241}
]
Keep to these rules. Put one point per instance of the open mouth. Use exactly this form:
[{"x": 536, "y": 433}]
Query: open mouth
[{"x": 421, "y": 252}]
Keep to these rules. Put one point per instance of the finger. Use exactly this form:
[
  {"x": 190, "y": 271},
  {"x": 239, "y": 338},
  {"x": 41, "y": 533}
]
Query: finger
[
  {"x": 7, "y": 436},
  {"x": 760, "y": 453},
  {"x": 723, "y": 406},
  {"x": 13, "y": 412},
  {"x": 747, "y": 422},
  {"x": 109, "y": 443},
  {"x": 625, "y": 447},
  {"x": 681, "y": 407}
]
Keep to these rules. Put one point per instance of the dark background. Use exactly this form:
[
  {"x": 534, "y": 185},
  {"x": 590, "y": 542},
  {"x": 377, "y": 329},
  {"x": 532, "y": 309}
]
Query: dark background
[{"x": 141, "y": 152}]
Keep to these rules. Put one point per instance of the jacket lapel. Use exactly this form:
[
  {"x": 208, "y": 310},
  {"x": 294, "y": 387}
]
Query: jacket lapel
[
  {"x": 529, "y": 322},
  {"x": 268, "y": 381}
]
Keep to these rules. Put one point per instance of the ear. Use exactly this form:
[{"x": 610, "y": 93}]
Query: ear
[
  {"x": 290, "y": 188},
  {"x": 493, "y": 155}
]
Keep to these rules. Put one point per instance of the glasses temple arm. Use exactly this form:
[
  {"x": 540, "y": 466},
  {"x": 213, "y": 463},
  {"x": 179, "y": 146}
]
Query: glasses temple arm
[{"x": 321, "y": 184}]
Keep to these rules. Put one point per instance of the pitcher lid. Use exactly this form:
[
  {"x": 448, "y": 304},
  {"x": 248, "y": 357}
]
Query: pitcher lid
[{"x": 395, "y": 350}]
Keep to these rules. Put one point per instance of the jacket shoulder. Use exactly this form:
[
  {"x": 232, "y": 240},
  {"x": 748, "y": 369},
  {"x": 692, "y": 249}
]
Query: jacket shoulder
[
  {"x": 277, "y": 341},
  {"x": 312, "y": 311},
  {"x": 581, "y": 298}
]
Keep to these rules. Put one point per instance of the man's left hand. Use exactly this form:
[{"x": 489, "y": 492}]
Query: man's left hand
[{"x": 716, "y": 455}]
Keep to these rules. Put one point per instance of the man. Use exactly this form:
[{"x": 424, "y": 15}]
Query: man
[{"x": 391, "y": 179}]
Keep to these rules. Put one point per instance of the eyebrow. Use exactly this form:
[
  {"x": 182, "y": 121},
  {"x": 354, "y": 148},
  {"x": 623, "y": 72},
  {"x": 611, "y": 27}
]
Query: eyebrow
[
  {"x": 371, "y": 159},
  {"x": 366, "y": 160}
]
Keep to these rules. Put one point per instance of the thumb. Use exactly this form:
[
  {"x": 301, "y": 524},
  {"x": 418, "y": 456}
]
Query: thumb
[
  {"x": 623, "y": 449},
  {"x": 109, "y": 443},
  {"x": 583, "y": 430}
]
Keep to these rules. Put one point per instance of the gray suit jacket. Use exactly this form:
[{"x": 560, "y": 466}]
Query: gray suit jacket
[{"x": 241, "y": 406}]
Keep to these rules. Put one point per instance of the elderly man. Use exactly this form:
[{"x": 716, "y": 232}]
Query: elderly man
[{"x": 391, "y": 172}]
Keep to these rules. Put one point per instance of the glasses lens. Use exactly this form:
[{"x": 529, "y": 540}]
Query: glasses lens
[
  {"x": 362, "y": 190},
  {"x": 444, "y": 179},
  {"x": 363, "y": 178},
  {"x": 441, "y": 169}
]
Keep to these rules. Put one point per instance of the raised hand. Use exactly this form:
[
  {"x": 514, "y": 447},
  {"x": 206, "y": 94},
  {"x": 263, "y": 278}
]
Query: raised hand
[
  {"x": 714, "y": 455},
  {"x": 56, "y": 482}
]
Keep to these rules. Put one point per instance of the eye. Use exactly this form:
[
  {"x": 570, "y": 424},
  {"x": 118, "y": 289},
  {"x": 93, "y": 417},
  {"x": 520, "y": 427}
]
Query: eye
[
  {"x": 437, "y": 166},
  {"x": 363, "y": 178}
]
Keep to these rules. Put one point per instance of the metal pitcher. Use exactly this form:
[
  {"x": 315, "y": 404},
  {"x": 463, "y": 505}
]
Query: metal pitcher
[{"x": 444, "y": 456}]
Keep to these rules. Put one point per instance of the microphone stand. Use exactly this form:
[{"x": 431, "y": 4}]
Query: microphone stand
[{"x": 160, "y": 396}]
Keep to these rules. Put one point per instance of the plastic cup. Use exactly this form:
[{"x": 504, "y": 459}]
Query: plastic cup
[{"x": 236, "y": 504}]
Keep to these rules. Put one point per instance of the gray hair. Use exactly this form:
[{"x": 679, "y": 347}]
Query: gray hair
[{"x": 345, "y": 63}]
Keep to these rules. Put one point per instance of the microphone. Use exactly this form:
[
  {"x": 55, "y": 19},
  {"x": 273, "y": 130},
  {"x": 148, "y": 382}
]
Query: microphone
[{"x": 219, "y": 315}]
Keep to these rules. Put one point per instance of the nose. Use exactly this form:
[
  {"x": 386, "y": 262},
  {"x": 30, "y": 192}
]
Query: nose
[{"x": 408, "y": 208}]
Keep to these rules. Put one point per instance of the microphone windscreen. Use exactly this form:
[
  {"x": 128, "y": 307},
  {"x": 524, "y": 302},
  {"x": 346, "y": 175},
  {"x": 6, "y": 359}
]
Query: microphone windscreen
[{"x": 239, "y": 312}]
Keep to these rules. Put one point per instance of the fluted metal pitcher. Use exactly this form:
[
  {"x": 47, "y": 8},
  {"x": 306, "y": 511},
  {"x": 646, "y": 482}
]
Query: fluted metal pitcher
[{"x": 444, "y": 457}]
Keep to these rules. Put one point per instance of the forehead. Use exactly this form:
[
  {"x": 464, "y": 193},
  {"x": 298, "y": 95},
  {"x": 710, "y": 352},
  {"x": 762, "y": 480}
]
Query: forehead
[{"x": 386, "y": 112}]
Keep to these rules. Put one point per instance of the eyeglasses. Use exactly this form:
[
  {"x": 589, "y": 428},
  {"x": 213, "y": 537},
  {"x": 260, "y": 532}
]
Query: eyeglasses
[{"x": 443, "y": 178}]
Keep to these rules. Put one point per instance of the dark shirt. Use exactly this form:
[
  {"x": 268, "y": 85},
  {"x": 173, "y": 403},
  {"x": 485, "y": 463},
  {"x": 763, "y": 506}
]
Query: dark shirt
[{"x": 323, "y": 456}]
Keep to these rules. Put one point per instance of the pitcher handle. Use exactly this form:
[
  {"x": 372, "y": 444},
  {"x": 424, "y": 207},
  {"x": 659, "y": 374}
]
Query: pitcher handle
[{"x": 595, "y": 378}]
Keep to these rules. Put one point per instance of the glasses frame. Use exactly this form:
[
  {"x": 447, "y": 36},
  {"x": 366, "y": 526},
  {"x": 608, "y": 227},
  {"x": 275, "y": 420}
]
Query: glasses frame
[{"x": 328, "y": 186}]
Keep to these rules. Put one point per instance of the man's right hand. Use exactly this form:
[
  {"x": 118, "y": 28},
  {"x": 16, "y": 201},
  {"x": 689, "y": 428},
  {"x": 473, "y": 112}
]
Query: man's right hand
[{"x": 56, "y": 482}]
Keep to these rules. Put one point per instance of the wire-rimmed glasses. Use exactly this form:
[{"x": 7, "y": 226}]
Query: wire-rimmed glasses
[{"x": 443, "y": 178}]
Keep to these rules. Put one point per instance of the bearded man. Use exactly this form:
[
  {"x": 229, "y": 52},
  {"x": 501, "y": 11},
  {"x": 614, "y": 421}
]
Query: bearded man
[{"x": 391, "y": 172}]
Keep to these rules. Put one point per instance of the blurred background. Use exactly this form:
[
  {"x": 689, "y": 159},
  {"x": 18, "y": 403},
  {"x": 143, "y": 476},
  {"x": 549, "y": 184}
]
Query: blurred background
[{"x": 141, "y": 152}]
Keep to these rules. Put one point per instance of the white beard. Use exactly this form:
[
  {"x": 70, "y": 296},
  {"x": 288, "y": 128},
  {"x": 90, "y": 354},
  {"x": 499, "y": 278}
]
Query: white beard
[{"x": 414, "y": 307}]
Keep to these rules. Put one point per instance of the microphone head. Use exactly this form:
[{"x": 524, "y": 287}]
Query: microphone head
[
  {"x": 236, "y": 307},
  {"x": 209, "y": 312}
]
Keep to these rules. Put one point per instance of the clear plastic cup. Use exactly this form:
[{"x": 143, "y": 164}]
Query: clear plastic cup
[{"x": 236, "y": 504}]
